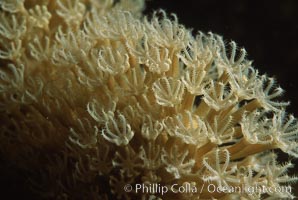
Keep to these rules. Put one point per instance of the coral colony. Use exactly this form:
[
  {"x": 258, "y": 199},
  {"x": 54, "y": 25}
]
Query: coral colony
[{"x": 100, "y": 102}]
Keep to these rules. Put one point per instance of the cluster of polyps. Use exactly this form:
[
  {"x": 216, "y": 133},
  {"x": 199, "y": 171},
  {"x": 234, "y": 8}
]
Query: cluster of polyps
[{"x": 94, "y": 97}]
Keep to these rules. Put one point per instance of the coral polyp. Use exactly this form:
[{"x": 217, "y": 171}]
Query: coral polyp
[{"x": 97, "y": 100}]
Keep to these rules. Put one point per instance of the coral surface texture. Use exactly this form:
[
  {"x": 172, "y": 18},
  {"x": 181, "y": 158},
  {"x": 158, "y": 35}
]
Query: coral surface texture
[{"x": 98, "y": 101}]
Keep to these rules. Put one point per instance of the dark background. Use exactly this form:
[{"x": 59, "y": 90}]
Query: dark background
[{"x": 268, "y": 30}]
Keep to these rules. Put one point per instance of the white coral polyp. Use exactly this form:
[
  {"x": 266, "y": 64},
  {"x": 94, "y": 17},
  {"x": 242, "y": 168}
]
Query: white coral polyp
[{"x": 94, "y": 96}]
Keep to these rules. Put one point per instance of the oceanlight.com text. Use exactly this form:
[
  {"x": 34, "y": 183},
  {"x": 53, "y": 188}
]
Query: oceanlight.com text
[{"x": 211, "y": 188}]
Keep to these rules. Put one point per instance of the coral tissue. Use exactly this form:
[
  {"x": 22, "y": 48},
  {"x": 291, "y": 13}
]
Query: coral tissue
[{"x": 94, "y": 96}]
